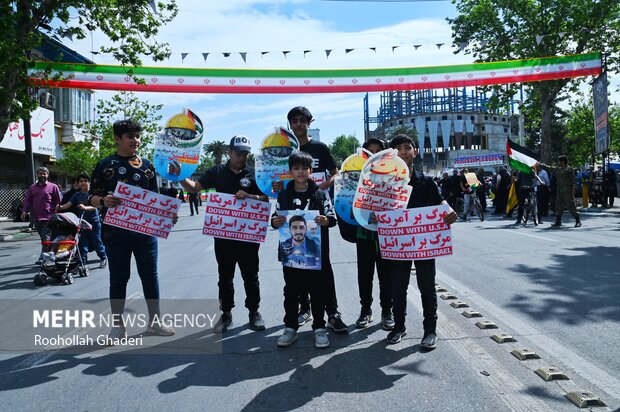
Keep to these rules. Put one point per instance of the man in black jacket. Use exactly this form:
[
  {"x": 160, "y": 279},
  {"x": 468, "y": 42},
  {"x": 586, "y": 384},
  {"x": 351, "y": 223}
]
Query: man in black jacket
[{"x": 425, "y": 193}]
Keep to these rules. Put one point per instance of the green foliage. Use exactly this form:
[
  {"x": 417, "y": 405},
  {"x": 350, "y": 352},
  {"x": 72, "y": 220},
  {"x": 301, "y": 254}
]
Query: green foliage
[
  {"x": 78, "y": 157},
  {"x": 580, "y": 133},
  {"x": 504, "y": 30},
  {"x": 83, "y": 156},
  {"x": 343, "y": 147},
  {"x": 217, "y": 149},
  {"x": 131, "y": 27},
  {"x": 406, "y": 130}
]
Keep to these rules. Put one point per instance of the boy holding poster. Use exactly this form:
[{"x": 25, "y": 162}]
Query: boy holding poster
[
  {"x": 303, "y": 194},
  {"x": 425, "y": 193},
  {"x": 128, "y": 167}
]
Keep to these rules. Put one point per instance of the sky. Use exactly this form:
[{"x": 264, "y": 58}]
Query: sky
[{"x": 254, "y": 26}]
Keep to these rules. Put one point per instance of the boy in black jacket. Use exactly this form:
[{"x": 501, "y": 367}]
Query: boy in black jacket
[{"x": 302, "y": 194}]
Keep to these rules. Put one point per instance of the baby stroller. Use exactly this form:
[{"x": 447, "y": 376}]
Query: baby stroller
[{"x": 62, "y": 260}]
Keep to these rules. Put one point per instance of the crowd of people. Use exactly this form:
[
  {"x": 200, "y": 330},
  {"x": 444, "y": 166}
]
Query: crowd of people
[
  {"x": 556, "y": 188},
  {"x": 309, "y": 294}
]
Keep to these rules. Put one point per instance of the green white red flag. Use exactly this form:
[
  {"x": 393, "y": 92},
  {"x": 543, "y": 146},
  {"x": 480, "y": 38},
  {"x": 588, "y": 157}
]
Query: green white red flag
[{"x": 266, "y": 81}]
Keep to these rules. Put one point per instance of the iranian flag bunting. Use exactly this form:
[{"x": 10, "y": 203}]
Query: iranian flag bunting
[{"x": 519, "y": 157}]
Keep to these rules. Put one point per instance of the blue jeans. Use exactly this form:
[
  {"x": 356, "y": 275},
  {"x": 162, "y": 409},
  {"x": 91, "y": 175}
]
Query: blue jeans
[
  {"x": 120, "y": 244},
  {"x": 92, "y": 237}
]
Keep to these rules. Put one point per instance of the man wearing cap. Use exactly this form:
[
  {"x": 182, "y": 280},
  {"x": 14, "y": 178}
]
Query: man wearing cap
[
  {"x": 43, "y": 196},
  {"x": 237, "y": 179}
]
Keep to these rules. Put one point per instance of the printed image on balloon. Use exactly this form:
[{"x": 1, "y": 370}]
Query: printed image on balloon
[{"x": 271, "y": 164}]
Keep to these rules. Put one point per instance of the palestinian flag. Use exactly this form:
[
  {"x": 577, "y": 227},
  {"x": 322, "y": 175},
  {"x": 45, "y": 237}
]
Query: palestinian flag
[{"x": 519, "y": 157}]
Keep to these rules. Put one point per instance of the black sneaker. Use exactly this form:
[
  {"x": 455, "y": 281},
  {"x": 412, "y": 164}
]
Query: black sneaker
[
  {"x": 335, "y": 322},
  {"x": 223, "y": 323},
  {"x": 396, "y": 335},
  {"x": 365, "y": 319},
  {"x": 428, "y": 341},
  {"x": 256, "y": 322},
  {"x": 305, "y": 316},
  {"x": 387, "y": 319}
]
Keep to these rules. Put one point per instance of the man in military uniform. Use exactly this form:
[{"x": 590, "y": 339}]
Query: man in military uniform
[{"x": 565, "y": 191}]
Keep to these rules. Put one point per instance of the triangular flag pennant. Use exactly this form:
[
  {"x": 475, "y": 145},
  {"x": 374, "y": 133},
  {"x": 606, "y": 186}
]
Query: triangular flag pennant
[
  {"x": 205, "y": 55},
  {"x": 373, "y": 49},
  {"x": 463, "y": 44},
  {"x": 439, "y": 45},
  {"x": 153, "y": 6},
  {"x": 94, "y": 52},
  {"x": 306, "y": 52},
  {"x": 168, "y": 56},
  {"x": 243, "y": 55},
  {"x": 483, "y": 43},
  {"x": 285, "y": 53},
  {"x": 417, "y": 46},
  {"x": 264, "y": 53},
  {"x": 539, "y": 38},
  {"x": 226, "y": 54},
  {"x": 561, "y": 34},
  {"x": 183, "y": 56},
  {"x": 68, "y": 35},
  {"x": 394, "y": 48},
  {"x": 327, "y": 53},
  {"x": 347, "y": 51}
]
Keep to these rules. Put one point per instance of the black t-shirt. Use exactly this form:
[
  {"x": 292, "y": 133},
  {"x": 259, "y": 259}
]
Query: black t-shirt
[
  {"x": 425, "y": 192},
  {"x": 322, "y": 159},
  {"x": 134, "y": 171},
  {"x": 224, "y": 180}
]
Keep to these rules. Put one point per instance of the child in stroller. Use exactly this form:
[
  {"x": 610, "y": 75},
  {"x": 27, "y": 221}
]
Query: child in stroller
[{"x": 62, "y": 261}]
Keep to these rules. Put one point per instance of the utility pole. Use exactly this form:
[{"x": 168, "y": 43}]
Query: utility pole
[{"x": 28, "y": 152}]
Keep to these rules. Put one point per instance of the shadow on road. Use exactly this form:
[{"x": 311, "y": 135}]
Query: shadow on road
[
  {"x": 573, "y": 289},
  {"x": 244, "y": 357}
]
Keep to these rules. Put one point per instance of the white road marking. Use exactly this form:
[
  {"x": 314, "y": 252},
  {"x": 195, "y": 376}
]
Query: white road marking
[{"x": 548, "y": 239}]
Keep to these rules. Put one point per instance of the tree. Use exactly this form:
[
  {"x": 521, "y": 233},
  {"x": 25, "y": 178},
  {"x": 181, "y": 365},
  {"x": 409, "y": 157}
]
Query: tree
[
  {"x": 131, "y": 27},
  {"x": 504, "y": 30},
  {"x": 83, "y": 156},
  {"x": 580, "y": 132},
  {"x": 343, "y": 147},
  {"x": 217, "y": 149},
  {"x": 406, "y": 130}
]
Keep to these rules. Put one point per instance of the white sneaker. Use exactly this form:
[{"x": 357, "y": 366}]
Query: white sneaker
[
  {"x": 288, "y": 337},
  {"x": 320, "y": 338}
]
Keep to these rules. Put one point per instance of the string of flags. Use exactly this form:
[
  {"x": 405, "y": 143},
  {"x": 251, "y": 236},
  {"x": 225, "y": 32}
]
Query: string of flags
[{"x": 416, "y": 46}]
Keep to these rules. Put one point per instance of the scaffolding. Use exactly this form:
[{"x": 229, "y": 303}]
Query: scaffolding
[{"x": 396, "y": 104}]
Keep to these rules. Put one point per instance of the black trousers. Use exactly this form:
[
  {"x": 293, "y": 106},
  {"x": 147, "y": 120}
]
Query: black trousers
[
  {"x": 245, "y": 254},
  {"x": 193, "y": 204},
  {"x": 329, "y": 299},
  {"x": 368, "y": 256},
  {"x": 542, "y": 195},
  {"x": 301, "y": 282},
  {"x": 400, "y": 271}
]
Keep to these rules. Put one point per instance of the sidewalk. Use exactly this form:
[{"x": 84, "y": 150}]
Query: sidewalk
[{"x": 12, "y": 231}]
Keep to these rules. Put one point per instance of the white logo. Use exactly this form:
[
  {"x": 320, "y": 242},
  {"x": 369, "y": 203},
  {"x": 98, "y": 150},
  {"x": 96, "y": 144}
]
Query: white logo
[
  {"x": 122, "y": 170},
  {"x": 136, "y": 177}
]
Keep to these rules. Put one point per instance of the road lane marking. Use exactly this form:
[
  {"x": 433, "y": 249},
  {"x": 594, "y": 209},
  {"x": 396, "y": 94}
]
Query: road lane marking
[{"x": 548, "y": 239}]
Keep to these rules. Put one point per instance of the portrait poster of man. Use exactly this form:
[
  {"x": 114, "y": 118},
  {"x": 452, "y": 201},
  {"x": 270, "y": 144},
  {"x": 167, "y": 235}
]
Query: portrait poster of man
[{"x": 300, "y": 240}]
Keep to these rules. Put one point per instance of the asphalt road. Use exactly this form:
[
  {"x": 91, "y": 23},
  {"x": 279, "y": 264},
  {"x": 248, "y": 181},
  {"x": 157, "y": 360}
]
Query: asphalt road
[{"x": 555, "y": 291}]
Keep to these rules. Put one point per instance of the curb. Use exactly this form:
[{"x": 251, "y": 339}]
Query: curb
[{"x": 15, "y": 236}]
